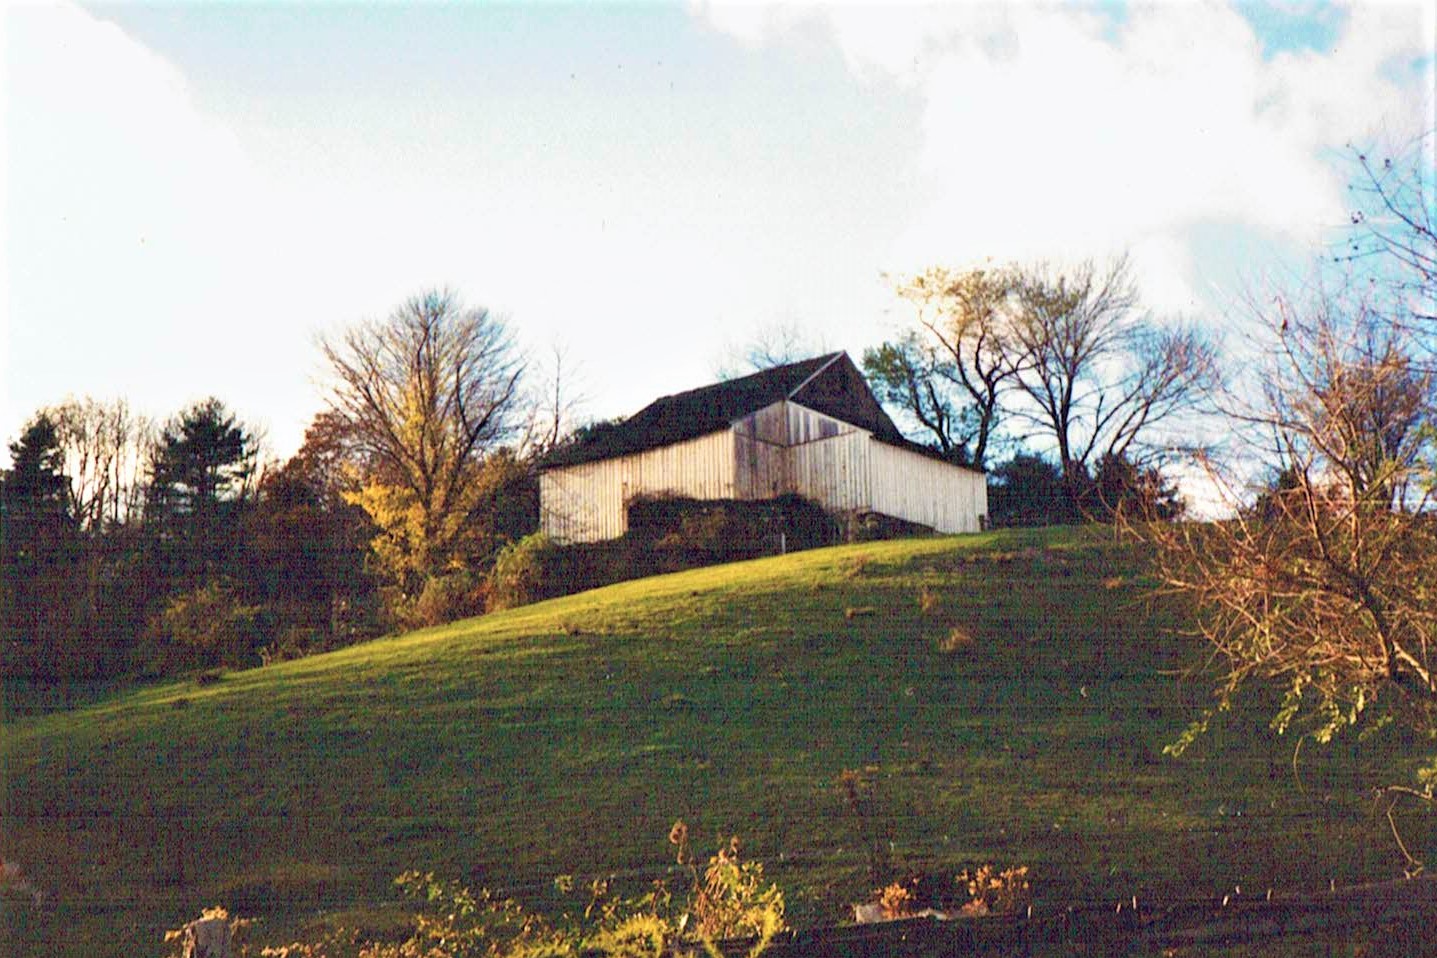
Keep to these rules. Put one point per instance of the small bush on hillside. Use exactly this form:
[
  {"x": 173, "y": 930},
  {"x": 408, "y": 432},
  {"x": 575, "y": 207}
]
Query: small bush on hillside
[
  {"x": 445, "y": 598},
  {"x": 519, "y": 575},
  {"x": 294, "y": 642},
  {"x": 730, "y": 899},
  {"x": 859, "y": 791},
  {"x": 994, "y": 892},
  {"x": 214, "y": 625}
]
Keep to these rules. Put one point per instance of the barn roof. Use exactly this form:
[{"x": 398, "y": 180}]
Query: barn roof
[{"x": 829, "y": 384}]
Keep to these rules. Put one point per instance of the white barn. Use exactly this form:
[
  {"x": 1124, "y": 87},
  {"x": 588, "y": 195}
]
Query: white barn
[{"x": 812, "y": 428}]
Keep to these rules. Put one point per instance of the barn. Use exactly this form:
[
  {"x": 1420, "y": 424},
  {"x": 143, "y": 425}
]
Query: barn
[{"x": 813, "y": 428}]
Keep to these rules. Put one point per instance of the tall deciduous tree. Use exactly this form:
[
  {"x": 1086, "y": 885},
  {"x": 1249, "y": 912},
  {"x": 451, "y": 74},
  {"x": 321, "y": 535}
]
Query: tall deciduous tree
[
  {"x": 107, "y": 450},
  {"x": 107, "y": 446},
  {"x": 307, "y": 544},
  {"x": 910, "y": 375},
  {"x": 425, "y": 396},
  {"x": 1096, "y": 376},
  {"x": 965, "y": 334}
]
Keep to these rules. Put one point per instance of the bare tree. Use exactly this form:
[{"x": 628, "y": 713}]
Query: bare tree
[
  {"x": 1395, "y": 226},
  {"x": 911, "y": 375},
  {"x": 107, "y": 447},
  {"x": 966, "y": 320},
  {"x": 774, "y": 344},
  {"x": 425, "y": 396},
  {"x": 1323, "y": 584},
  {"x": 552, "y": 404},
  {"x": 1096, "y": 376}
]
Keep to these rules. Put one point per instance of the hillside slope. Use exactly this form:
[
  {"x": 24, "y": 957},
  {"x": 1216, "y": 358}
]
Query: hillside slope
[{"x": 566, "y": 737}]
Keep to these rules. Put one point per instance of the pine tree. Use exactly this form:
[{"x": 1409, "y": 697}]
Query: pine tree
[{"x": 38, "y": 553}]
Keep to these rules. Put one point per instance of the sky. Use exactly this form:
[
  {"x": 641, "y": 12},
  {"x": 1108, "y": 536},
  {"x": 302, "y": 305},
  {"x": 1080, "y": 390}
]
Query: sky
[{"x": 194, "y": 194}]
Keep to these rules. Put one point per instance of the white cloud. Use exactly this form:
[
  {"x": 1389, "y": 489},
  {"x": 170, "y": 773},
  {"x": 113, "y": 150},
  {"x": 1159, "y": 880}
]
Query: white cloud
[
  {"x": 1053, "y": 132},
  {"x": 125, "y": 199},
  {"x": 164, "y": 262}
]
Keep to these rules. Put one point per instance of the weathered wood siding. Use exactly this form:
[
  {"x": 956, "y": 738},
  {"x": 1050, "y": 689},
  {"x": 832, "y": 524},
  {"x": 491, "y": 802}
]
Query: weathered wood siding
[
  {"x": 586, "y": 502},
  {"x": 918, "y": 489},
  {"x": 829, "y": 460},
  {"x": 761, "y": 460},
  {"x": 785, "y": 447}
]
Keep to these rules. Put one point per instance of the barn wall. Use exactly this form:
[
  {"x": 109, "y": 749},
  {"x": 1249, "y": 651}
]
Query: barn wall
[
  {"x": 781, "y": 448},
  {"x": 762, "y": 468},
  {"x": 585, "y": 503},
  {"x": 828, "y": 459},
  {"x": 834, "y": 472},
  {"x": 919, "y": 489}
]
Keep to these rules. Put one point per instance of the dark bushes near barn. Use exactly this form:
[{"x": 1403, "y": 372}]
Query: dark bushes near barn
[
  {"x": 665, "y": 534},
  {"x": 1030, "y": 490},
  {"x": 699, "y": 532}
]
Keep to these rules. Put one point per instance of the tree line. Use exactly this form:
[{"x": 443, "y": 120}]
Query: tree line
[
  {"x": 131, "y": 547},
  {"x": 1029, "y": 356}
]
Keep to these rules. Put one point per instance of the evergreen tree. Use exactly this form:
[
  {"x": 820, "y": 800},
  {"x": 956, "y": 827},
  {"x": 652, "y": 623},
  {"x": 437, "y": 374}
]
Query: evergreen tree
[
  {"x": 200, "y": 479},
  {"x": 38, "y": 551}
]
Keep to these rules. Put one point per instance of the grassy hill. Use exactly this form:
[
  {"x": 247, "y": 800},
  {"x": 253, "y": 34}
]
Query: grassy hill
[{"x": 566, "y": 737}]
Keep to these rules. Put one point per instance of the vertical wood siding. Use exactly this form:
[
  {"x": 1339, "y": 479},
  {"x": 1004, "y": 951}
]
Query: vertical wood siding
[
  {"x": 830, "y": 460},
  {"x": 761, "y": 460},
  {"x": 918, "y": 489},
  {"x": 834, "y": 472},
  {"x": 782, "y": 448},
  {"x": 586, "y": 502}
]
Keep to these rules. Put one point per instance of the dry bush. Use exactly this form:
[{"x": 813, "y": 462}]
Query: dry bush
[
  {"x": 958, "y": 639},
  {"x": 895, "y": 900},
  {"x": 992, "y": 892},
  {"x": 970, "y": 894},
  {"x": 1322, "y": 584}
]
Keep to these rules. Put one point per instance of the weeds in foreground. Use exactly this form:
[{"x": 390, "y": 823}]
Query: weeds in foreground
[
  {"x": 725, "y": 898},
  {"x": 970, "y": 894}
]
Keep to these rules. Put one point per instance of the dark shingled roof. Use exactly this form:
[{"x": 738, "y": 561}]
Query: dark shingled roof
[{"x": 829, "y": 384}]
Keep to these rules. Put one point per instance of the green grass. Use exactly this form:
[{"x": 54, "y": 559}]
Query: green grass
[{"x": 566, "y": 737}]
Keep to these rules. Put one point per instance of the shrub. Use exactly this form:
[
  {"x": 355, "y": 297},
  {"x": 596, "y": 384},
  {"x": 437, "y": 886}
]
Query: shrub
[
  {"x": 519, "y": 576},
  {"x": 695, "y": 531},
  {"x": 215, "y": 625},
  {"x": 445, "y": 598},
  {"x": 294, "y": 642},
  {"x": 970, "y": 894},
  {"x": 1028, "y": 490},
  {"x": 991, "y": 892}
]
